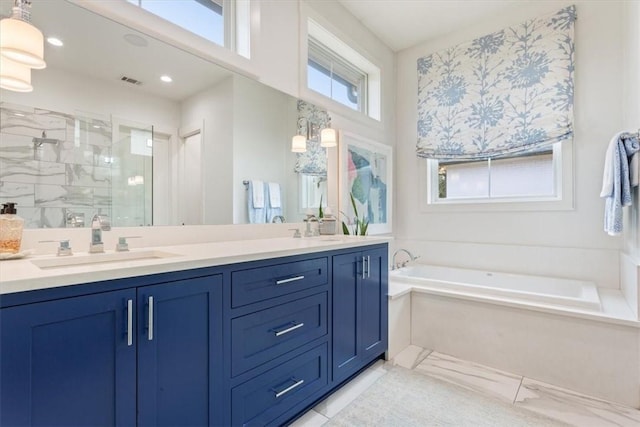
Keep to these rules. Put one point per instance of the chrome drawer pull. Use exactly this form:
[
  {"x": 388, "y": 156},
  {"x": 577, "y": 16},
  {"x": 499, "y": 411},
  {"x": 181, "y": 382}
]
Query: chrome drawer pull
[
  {"x": 297, "y": 383},
  {"x": 291, "y": 279},
  {"x": 150, "y": 320},
  {"x": 364, "y": 267},
  {"x": 129, "y": 323},
  {"x": 292, "y": 328}
]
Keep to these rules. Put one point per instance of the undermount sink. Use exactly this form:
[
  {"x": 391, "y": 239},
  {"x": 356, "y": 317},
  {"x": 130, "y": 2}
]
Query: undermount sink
[{"x": 79, "y": 260}]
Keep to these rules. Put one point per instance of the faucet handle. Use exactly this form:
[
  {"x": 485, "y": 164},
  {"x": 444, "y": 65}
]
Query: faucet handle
[
  {"x": 64, "y": 249},
  {"x": 296, "y": 233},
  {"x": 122, "y": 244}
]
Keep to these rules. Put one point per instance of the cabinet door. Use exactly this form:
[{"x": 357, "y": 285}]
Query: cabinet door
[
  {"x": 179, "y": 352},
  {"x": 69, "y": 362},
  {"x": 346, "y": 341},
  {"x": 373, "y": 297}
]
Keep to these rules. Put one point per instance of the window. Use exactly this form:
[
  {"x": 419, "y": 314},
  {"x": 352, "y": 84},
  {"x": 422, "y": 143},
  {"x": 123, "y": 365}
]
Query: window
[
  {"x": 335, "y": 78},
  {"x": 337, "y": 71},
  {"x": 312, "y": 190},
  {"x": 529, "y": 176},
  {"x": 205, "y": 18}
]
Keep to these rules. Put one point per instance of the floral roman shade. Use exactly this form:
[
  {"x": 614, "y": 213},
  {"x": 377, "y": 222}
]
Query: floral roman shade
[{"x": 507, "y": 92}]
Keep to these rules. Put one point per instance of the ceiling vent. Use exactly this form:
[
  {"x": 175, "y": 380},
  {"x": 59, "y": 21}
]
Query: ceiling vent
[{"x": 130, "y": 80}]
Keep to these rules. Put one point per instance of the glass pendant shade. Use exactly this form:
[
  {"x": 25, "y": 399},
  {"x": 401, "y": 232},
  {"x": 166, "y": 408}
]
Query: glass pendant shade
[
  {"x": 22, "y": 42},
  {"x": 328, "y": 138},
  {"x": 14, "y": 76},
  {"x": 298, "y": 144}
]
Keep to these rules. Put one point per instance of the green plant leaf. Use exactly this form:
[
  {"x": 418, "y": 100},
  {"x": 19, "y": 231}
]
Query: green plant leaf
[
  {"x": 353, "y": 203},
  {"x": 345, "y": 229}
]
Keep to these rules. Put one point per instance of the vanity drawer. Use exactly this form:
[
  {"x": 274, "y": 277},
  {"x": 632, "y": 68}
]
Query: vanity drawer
[
  {"x": 263, "y": 399},
  {"x": 262, "y": 283},
  {"x": 264, "y": 335}
]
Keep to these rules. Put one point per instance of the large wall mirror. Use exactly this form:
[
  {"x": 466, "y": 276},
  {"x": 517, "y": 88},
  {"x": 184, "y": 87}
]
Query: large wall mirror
[{"x": 102, "y": 133}]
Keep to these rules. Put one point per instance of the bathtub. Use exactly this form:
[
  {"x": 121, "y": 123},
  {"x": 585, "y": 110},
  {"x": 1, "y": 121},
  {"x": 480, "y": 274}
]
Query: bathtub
[{"x": 571, "y": 294}]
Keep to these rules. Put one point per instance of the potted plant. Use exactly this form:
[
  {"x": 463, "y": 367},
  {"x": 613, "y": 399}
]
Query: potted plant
[{"x": 361, "y": 224}]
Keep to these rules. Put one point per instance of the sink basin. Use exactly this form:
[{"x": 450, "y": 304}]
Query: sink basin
[{"x": 79, "y": 260}]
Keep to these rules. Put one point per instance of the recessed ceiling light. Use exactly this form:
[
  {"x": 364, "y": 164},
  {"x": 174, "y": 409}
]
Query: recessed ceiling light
[
  {"x": 54, "y": 41},
  {"x": 166, "y": 79},
  {"x": 96, "y": 126},
  {"x": 18, "y": 114}
]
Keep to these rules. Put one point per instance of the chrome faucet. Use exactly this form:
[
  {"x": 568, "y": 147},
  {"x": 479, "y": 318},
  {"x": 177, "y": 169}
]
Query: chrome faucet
[
  {"x": 99, "y": 223},
  {"x": 396, "y": 265}
]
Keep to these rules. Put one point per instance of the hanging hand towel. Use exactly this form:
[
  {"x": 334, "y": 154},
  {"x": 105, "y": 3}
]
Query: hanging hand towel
[
  {"x": 258, "y": 193},
  {"x": 616, "y": 180},
  {"x": 275, "y": 203},
  {"x": 257, "y": 215},
  {"x": 274, "y": 195}
]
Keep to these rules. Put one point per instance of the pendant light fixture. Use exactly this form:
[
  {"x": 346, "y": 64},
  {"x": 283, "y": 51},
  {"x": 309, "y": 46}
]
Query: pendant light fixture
[
  {"x": 328, "y": 137},
  {"x": 14, "y": 76},
  {"x": 299, "y": 144},
  {"x": 21, "y": 41}
]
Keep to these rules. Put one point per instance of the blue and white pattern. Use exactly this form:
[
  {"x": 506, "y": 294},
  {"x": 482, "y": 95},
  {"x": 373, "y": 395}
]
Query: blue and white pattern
[
  {"x": 503, "y": 93},
  {"x": 313, "y": 161}
]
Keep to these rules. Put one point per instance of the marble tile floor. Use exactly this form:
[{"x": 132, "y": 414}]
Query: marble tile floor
[{"x": 563, "y": 405}]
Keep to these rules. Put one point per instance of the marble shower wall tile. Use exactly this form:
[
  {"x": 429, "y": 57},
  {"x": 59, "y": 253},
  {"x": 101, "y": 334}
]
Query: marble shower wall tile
[
  {"x": 33, "y": 172},
  {"x": 32, "y": 125},
  {"x": 63, "y": 196},
  {"x": 52, "y": 179},
  {"x": 21, "y": 147},
  {"x": 21, "y": 193},
  {"x": 88, "y": 176},
  {"x": 471, "y": 376},
  {"x": 574, "y": 408}
]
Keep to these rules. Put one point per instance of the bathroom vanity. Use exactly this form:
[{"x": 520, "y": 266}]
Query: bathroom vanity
[{"x": 232, "y": 333}]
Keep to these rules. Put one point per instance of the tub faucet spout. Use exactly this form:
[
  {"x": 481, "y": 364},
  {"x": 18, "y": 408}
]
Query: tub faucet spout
[{"x": 395, "y": 265}]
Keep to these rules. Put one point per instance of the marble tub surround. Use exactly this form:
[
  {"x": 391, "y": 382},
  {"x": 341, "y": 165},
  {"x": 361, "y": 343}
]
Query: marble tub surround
[
  {"x": 23, "y": 275},
  {"x": 70, "y": 173}
]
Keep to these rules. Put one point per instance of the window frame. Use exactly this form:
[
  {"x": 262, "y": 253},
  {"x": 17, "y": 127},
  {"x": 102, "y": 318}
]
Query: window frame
[
  {"x": 339, "y": 67},
  {"x": 562, "y": 199},
  {"x": 230, "y": 22},
  {"x": 350, "y": 54}
]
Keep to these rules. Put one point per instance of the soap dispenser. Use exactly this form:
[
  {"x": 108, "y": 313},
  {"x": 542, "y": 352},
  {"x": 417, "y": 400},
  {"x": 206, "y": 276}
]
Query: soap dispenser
[{"x": 11, "y": 226}]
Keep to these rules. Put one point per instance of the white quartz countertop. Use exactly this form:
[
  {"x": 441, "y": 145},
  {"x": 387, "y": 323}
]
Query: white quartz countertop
[{"x": 21, "y": 275}]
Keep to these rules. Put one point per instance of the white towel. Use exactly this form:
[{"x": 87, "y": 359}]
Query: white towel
[
  {"x": 607, "y": 176},
  {"x": 258, "y": 193},
  {"x": 274, "y": 195},
  {"x": 634, "y": 169}
]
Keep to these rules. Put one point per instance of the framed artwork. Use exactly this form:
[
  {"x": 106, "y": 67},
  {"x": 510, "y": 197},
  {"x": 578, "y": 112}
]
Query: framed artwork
[{"x": 366, "y": 173}]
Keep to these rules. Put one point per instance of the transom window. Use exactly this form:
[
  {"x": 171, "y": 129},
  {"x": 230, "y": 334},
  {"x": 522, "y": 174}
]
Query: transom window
[
  {"x": 530, "y": 176},
  {"x": 205, "y": 18},
  {"x": 335, "y": 78}
]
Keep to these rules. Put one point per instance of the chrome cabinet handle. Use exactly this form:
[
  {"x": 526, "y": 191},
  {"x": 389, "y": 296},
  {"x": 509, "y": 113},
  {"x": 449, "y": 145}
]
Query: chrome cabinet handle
[
  {"x": 368, "y": 265},
  {"x": 291, "y": 279},
  {"x": 287, "y": 330},
  {"x": 297, "y": 383},
  {"x": 363, "y": 267},
  {"x": 150, "y": 320},
  {"x": 129, "y": 322}
]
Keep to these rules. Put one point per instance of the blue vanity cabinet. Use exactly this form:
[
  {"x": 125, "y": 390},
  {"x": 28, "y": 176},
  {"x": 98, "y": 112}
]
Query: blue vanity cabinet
[
  {"x": 69, "y": 362},
  {"x": 179, "y": 353},
  {"x": 147, "y": 355},
  {"x": 360, "y": 312}
]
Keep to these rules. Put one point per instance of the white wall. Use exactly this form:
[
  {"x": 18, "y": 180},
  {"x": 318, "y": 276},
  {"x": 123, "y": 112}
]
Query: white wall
[
  {"x": 264, "y": 120},
  {"x": 560, "y": 243},
  {"x": 631, "y": 78},
  {"x": 67, "y": 92},
  {"x": 630, "y": 260},
  {"x": 212, "y": 112}
]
